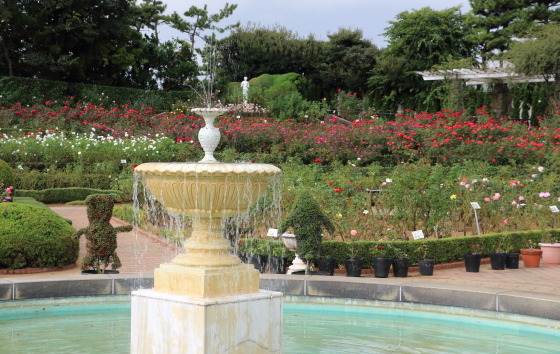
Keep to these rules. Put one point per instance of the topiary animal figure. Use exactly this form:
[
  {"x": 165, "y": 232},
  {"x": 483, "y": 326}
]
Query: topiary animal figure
[
  {"x": 307, "y": 220},
  {"x": 101, "y": 236}
]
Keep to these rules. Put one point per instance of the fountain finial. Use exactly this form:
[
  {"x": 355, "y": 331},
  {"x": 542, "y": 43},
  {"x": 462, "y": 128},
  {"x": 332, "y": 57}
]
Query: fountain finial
[{"x": 209, "y": 135}]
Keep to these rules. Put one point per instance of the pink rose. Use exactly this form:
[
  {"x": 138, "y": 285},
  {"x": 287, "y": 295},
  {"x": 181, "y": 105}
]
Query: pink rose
[
  {"x": 353, "y": 232},
  {"x": 486, "y": 199}
]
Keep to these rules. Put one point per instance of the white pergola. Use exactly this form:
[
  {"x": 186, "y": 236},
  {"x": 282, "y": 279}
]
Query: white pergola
[{"x": 481, "y": 76}]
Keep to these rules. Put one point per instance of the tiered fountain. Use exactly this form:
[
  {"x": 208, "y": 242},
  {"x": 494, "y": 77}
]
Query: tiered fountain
[{"x": 205, "y": 300}]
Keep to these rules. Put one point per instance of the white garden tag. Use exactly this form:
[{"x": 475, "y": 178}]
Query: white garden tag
[
  {"x": 418, "y": 234},
  {"x": 272, "y": 233},
  {"x": 554, "y": 209},
  {"x": 475, "y": 205}
]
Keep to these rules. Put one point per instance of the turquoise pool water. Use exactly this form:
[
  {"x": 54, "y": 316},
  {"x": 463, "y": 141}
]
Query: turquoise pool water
[{"x": 308, "y": 328}]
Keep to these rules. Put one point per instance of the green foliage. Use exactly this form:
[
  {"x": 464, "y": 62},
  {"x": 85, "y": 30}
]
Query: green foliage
[
  {"x": 34, "y": 237},
  {"x": 61, "y": 195},
  {"x": 307, "y": 221},
  {"x": 442, "y": 250},
  {"x": 271, "y": 248},
  {"x": 418, "y": 40},
  {"x": 35, "y": 180},
  {"x": 34, "y": 91},
  {"x": 101, "y": 236},
  {"x": 35, "y": 203},
  {"x": 539, "y": 55},
  {"x": 6, "y": 174}
]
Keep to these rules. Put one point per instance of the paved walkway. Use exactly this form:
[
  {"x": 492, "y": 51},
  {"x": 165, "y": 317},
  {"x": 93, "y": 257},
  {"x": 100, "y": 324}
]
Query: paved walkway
[{"x": 140, "y": 252}]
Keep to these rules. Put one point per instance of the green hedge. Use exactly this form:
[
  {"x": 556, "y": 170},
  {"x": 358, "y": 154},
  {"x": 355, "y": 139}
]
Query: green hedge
[
  {"x": 442, "y": 250},
  {"x": 34, "y": 237},
  {"x": 61, "y": 195},
  {"x": 35, "y": 180},
  {"x": 35, "y": 203},
  {"x": 28, "y": 91}
]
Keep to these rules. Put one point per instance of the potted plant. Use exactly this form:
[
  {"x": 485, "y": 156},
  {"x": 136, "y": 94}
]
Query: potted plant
[
  {"x": 278, "y": 262},
  {"x": 550, "y": 250},
  {"x": 259, "y": 259},
  {"x": 400, "y": 263},
  {"x": 353, "y": 265},
  {"x": 512, "y": 258},
  {"x": 531, "y": 255},
  {"x": 498, "y": 258},
  {"x": 101, "y": 236},
  {"x": 472, "y": 260},
  {"x": 425, "y": 265},
  {"x": 381, "y": 265},
  {"x": 307, "y": 221},
  {"x": 327, "y": 265}
]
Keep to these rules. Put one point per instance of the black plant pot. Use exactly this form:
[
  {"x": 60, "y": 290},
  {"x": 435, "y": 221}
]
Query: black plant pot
[
  {"x": 259, "y": 261},
  {"x": 353, "y": 266},
  {"x": 472, "y": 262},
  {"x": 278, "y": 264},
  {"x": 327, "y": 265},
  {"x": 242, "y": 256},
  {"x": 400, "y": 267},
  {"x": 107, "y": 271},
  {"x": 512, "y": 261},
  {"x": 381, "y": 267},
  {"x": 498, "y": 260},
  {"x": 313, "y": 272},
  {"x": 426, "y": 266}
]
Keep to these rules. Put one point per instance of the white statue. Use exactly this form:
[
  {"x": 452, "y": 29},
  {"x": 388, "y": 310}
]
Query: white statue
[{"x": 245, "y": 86}]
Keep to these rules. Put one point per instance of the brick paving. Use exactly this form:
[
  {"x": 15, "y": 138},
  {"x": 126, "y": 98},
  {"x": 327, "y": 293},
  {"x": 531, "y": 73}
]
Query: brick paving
[{"x": 141, "y": 252}]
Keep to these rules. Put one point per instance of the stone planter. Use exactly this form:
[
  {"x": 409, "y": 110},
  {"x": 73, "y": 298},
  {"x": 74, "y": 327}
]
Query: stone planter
[{"x": 550, "y": 253}]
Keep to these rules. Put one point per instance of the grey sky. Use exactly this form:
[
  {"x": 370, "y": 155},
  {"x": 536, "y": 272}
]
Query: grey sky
[{"x": 314, "y": 16}]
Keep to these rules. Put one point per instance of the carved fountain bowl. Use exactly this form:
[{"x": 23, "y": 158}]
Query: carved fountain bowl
[{"x": 204, "y": 189}]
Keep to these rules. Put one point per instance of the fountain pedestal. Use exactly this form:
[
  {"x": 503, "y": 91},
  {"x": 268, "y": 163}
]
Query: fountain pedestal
[
  {"x": 206, "y": 301},
  {"x": 165, "y": 323}
]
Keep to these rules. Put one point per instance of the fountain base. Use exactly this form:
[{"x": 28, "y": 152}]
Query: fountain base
[
  {"x": 166, "y": 323},
  {"x": 206, "y": 282}
]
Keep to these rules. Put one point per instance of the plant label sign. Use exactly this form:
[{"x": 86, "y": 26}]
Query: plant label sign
[
  {"x": 123, "y": 161},
  {"x": 554, "y": 209},
  {"x": 388, "y": 180},
  {"x": 272, "y": 233},
  {"x": 475, "y": 205},
  {"x": 418, "y": 234}
]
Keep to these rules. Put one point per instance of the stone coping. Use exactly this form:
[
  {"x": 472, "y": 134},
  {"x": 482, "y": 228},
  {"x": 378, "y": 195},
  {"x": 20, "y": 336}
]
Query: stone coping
[{"x": 545, "y": 306}]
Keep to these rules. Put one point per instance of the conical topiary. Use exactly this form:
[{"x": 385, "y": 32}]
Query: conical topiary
[{"x": 307, "y": 221}]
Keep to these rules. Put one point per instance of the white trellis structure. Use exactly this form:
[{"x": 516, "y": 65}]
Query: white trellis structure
[{"x": 482, "y": 76}]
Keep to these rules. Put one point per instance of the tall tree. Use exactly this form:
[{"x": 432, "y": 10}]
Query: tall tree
[
  {"x": 539, "y": 55},
  {"x": 345, "y": 60},
  {"x": 418, "y": 40},
  {"x": 253, "y": 50}
]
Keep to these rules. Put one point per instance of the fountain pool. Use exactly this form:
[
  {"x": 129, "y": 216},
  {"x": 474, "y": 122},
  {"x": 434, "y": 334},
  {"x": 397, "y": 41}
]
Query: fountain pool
[{"x": 102, "y": 324}]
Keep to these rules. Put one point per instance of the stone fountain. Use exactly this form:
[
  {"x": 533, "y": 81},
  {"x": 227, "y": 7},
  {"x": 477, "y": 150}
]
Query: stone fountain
[{"x": 206, "y": 300}]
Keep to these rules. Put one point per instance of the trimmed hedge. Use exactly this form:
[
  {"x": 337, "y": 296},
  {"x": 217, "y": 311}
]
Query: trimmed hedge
[
  {"x": 34, "y": 237},
  {"x": 442, "y": 250},
  {"x": 33, "y": 202},
  {"x": 34, "y": 91},
  {"x": 35, "y": 180},
  {"x": 61, "y": 195}
]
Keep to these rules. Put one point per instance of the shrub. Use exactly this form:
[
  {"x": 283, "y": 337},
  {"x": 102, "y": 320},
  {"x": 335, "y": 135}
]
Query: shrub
[
  {"x": 308, "y": 221},
  {"x": 61, "y": 195},
  {"x": 33, "y": 202},
  {"x": 34, "y": 237},
  {"x": 36, "y": 180},
  {"x": 6, "y": 174}
]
